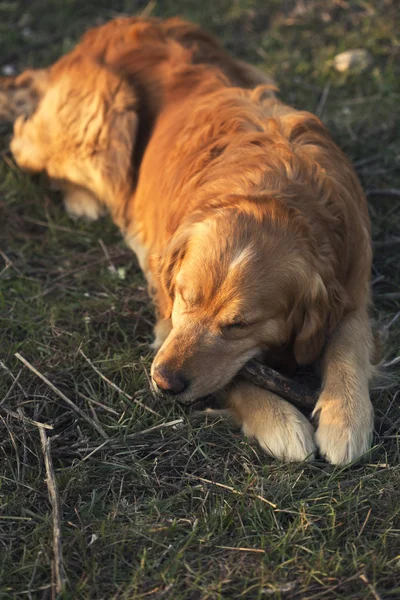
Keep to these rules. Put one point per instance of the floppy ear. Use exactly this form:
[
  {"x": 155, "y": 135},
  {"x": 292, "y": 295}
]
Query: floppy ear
[
  {"x": 118, "y": 138},
  {"x": 312, "y": 331},
  {"x": 322, "y": 308},
  {"x": 108, "y": 138},
  {"x": 165, "y": 268}
]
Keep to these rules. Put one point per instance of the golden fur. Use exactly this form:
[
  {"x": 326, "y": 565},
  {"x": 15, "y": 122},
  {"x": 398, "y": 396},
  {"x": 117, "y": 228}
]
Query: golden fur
[{"x": 248, "y": 221}]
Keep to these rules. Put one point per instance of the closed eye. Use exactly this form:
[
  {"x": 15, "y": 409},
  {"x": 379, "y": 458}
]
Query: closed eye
[
  {"x": 236, "y": 325},
  {"x": 239, "y": 326}
]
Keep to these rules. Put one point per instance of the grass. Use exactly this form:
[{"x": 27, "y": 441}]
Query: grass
[{"x": 172, "y": 505}]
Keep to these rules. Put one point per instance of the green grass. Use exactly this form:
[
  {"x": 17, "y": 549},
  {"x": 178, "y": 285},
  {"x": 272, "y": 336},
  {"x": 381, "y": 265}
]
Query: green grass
[{"x": 140, "y": 518}]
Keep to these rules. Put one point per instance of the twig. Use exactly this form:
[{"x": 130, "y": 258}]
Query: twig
[
  {"x": 298, "y": 394},
  {"x": 155, "y": 394},
  {"x": 392, "y": 321},
  {"x": 370, "y": 587},
  {"x": 323, "y": 99},
  {"x": 95, "y": 450},
  {"x": 9, "y": 263},
  {"x": 41, "y": 588},
  {"x": 384, "y": 192},
  {"x": 387, "y": 242},
  {"x": 94, "y": 263},
  {"x": 148, "y": 9},
  {"x": 54, "y": 226},
  {"x": 10, "y": 413},
  {"x": 389, "y": 295},
  {"x": 232, "y": 489},
  {"x": 15, "y": 379},
  {"x": 266, "y": 377},
  {"x": 14, "y": 383},
  {"x": 76, "y": 408},
  {"x": 155, "y": 428},
  {"x": 11, "y": 388},
  {"x": 378, "y": 279},
  {"x": 364, "y": 99},
  {"x": 115, "y": 386},
  {"x": 132, "y": 436},
  {"x": 107, "y": 255},
  {"x": 366, "y": 161},
  {"x": 364, "y": 524},
  {"x": 392, "y": 362},
  {"x": 329, "y": 590},
  {"x": 56, "y": 514},
  {"x": 97, "y": 403},
  {"x": 240, "y": 549},
  {"x": 39, "y": 554}
]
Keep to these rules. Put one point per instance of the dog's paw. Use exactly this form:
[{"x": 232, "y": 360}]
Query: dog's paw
[
  {"x": 343, "y": 436},
  {"x": 81, "y": 204},
  {"x": 282, "y": 432}
]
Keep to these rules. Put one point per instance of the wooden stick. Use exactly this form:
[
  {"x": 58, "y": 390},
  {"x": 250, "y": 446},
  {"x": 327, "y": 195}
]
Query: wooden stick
[
  {"x": 384, "y": 192},
  {"x": 296, "y": 393},
  {"x": 300, "y": 395},
  {"x": 56, "y": 513}
]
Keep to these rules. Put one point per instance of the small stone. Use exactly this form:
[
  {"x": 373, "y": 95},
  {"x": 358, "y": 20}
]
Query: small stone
[
  {"x": 352, "y": 60},
  {"x": 8, "y": 70},
  {"x": 121, "y": 272},
  {"x": 27, "y": 32}
]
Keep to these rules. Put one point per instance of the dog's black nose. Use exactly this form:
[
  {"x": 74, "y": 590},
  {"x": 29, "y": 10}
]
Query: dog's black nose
[{"x": 169, "y": 381}]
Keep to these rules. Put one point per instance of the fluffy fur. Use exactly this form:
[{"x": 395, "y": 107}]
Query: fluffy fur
[{"x": 248, "y": 221}]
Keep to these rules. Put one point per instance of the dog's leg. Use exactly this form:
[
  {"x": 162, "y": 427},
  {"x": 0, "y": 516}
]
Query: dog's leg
[
  {"x": 280, "y": 429},
  {"x": 344, "y": 411}
]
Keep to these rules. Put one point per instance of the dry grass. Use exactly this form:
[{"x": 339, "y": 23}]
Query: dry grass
[{"x": 163, "y": 503}]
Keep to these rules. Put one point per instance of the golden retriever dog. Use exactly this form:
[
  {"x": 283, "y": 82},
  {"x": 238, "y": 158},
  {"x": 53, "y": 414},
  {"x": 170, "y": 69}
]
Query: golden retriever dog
[{"x": 248, "y": 221}]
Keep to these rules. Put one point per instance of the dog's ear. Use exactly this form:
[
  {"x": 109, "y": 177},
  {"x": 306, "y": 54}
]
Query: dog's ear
[
  {"x": 118, "y": 141},
  {"x": 109, "y": 139},
  {"x": 165, "y": 268},
  {"x": 315, "y": 319}
]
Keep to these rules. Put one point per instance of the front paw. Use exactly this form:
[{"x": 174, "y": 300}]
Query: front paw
[
  {"x": 283, "y": 433},
  {"x": 81, "y": 204},
  {"x": 343, "y": 435}
]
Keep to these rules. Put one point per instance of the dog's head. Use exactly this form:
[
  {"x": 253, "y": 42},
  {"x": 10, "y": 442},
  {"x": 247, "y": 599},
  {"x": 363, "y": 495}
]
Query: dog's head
[{"x": 234, "y": 284}]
